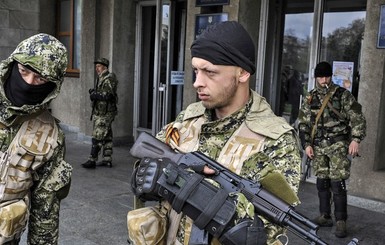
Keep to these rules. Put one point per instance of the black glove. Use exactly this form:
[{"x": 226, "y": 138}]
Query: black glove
[
  {"x": 145, "y": 176},
  {"x": 91, "y": 90},
  {"x": 95, "y": 96}
]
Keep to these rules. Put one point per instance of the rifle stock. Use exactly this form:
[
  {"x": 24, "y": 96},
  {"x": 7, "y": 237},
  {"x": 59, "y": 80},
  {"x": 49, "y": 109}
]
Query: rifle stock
[{"x": 266, "y": 204}]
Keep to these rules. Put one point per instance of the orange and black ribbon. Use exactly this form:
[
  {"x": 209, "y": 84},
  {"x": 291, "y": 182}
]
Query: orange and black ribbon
[{"x": 172, "y": 134}]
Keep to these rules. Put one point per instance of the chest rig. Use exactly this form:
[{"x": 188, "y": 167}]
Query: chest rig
[
  {"x": 33, "y": 145},
  {"x": 242, "y": 144}
]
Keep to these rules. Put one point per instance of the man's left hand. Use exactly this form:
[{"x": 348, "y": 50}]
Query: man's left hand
[{"x": 353, "y": 148}]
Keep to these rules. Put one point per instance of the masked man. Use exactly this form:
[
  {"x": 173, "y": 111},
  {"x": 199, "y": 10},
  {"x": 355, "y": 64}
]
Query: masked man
[{"x": 35, "y": 177}]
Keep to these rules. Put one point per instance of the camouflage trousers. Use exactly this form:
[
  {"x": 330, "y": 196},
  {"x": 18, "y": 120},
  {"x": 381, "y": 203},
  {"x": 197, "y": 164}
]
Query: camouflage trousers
[
  {"x": 331, "y": 161},
  {"x": 102, "y": 137}
]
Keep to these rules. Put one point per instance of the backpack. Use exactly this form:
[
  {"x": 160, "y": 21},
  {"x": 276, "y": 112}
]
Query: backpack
[{"x": 33, "y": 145}]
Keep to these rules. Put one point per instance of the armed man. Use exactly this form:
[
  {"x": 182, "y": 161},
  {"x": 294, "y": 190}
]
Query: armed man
[
  {"x": 104, "y": 99},
  {"x": 331, "y": 125},
  {"x": 233, "y": 125}
]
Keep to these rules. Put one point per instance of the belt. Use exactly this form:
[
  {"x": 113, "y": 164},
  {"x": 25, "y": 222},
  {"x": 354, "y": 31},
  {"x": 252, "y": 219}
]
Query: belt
[{"x": 330, "y": 140}]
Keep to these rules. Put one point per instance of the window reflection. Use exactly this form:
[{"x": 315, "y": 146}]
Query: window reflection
[
  {"x": 342, "y": 34},
  {"x": 295, "y": 63}
]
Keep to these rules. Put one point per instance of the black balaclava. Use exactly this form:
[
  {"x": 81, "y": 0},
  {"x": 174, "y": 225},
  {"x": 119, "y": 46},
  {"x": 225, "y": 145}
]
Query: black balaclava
[
  {"x": 20, "y": 93},
  {"x": 226, "y": 43}
]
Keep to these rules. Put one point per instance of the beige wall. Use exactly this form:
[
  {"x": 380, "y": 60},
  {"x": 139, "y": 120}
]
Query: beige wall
[
  {"x": 108, "y": 31},
  {"x": 365, "y": 181}
]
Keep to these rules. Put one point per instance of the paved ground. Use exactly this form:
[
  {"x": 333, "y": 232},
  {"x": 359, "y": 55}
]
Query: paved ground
[{"x": 95, "y": 211}]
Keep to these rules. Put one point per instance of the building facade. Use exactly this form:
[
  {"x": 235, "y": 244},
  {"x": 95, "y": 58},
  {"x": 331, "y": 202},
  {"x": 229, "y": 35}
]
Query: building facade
[{"x": 147, "y": 43}]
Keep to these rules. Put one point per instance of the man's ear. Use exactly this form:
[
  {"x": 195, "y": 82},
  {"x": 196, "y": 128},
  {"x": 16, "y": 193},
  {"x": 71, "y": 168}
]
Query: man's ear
[{"x": 244, "y": 76}]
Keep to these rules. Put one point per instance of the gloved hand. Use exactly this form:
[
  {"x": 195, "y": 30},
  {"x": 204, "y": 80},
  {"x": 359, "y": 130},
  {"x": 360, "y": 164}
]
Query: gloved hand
[
  {"x": 91, "y": 90},
  {"x": 95, "y": 96},
  {"x": 145, "y": 176}
]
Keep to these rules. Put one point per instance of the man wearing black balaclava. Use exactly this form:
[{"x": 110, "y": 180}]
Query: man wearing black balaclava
[
  {"x": 331, "y": 126},
  {"x": 235, "y": 126}
]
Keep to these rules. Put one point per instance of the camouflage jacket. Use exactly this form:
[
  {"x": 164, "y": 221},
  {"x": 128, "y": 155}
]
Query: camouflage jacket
[
  {"x": 43, "y": 53},
  {"x": 106, "y": 86},
  {"x": 343, "y": 117},
  {"x": 280, "y": 150}
]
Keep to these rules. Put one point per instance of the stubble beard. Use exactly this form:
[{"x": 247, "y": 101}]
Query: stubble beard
[{"x": 223, "y": 98}]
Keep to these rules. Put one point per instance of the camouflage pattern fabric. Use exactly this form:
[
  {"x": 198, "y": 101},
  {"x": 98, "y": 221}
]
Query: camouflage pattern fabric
[
  {"x": 46, "y": 55},
  {"x": 150, "y": 223},
  {"x": 348, "y": 124},
  {"x": 280, "y": 151},
  {"x": 102, "y": 132},
  {"x": 331, "y": 161},
  {"x": 103, "y": 114},
  {"x": 106, "y": 87}
]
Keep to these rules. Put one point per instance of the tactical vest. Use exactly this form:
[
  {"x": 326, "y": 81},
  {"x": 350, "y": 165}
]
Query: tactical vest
[
  {"x": 240, "y": 146},
  {"x": 33, "y": 145}
]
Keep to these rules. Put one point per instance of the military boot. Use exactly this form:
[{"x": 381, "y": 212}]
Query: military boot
[
  {"x": 89, "y": 164},
  {"x": 340, "y": 229},
  {"x": 105, "y": 163},
  {"x": 324, "y": 220}
]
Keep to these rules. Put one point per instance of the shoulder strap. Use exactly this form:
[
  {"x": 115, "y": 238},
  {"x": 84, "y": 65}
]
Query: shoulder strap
[{"x": 324, "y": 103}]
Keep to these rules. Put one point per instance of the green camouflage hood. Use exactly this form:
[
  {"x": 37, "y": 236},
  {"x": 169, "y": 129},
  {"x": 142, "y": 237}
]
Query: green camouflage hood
[{"x": 46, "y": 55}]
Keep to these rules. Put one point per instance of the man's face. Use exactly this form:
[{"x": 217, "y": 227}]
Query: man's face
[
  {"x": 31, "y": 77},
  {"x": 216, "y": 85},
  {"x": 100, "y": 68},
  {"x": 323, "y": 81}
]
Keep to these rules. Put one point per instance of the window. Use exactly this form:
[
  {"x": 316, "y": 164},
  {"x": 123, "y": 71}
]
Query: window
[{"x": 68, "y": 32}]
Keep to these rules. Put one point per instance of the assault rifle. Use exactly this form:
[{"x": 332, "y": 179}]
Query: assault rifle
[
  {"x": 305, "y": 174},
  {"x": 266, "y": 204}
]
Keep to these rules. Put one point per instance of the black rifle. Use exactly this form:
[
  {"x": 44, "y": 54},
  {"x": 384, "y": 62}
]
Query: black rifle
[
  {"x": 305, "y": 174},
  {"x": 96, "y": 82},
  {"x": 266, "y": 204}
]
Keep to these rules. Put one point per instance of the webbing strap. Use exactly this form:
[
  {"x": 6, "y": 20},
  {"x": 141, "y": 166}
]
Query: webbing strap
[
  {"x": 326, "y": 99},
  {"x": 211, "y": 209},
  {"x": 185, "y": 191}
]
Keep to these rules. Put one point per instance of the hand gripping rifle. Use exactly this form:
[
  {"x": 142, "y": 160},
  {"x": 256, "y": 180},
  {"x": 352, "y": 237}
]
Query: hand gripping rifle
[{"x": 266, "y": 204}]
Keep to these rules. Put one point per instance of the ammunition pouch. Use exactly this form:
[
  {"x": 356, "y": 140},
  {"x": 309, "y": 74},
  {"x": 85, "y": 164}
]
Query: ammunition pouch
[
  {"x": 13, "y": 219},
  {"x": 247, "y": 232},
  {"x": 210, "y": 207}
]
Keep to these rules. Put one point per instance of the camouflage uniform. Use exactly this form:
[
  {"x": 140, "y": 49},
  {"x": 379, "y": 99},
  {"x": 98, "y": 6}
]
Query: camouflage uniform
[
  {"x": 278, "y": 149},
  {"x": 104, "y": 111},
  {"x": 51, "y": 181},
  {"x": 336, "y": 128}
]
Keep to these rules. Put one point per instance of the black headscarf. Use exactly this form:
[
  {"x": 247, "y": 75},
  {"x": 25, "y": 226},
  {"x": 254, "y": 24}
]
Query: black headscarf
[
  {"x": 226, "y": 43},
  {"x": 20, "y": 93}
]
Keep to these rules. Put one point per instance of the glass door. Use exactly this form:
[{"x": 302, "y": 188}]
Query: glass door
[
  {"x": 159, "y": 40},
  {"x": 296, "y": 47},
  {"x": 317, "y": 31},
  {"x": 342, "y": 34}
]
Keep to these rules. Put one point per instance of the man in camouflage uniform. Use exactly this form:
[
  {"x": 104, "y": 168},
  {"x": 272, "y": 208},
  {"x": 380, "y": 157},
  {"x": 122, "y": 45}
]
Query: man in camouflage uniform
[
  {"x": 232, "y": 124},
  {"x": 339, "y": 130},
  {"x": 30, "y": 78},
  {"x": 104, "y": 110}
]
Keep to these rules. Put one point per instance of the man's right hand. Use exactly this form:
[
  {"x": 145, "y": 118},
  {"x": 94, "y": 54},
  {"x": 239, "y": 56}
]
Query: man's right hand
[{"x": 309, "y": 152}]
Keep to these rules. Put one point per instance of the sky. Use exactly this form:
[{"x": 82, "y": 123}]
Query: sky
[{"x": 302, "y": 23}]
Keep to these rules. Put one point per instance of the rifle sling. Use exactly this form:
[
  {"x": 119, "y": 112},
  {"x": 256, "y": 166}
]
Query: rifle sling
[{"x": 324, "y": 103}]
